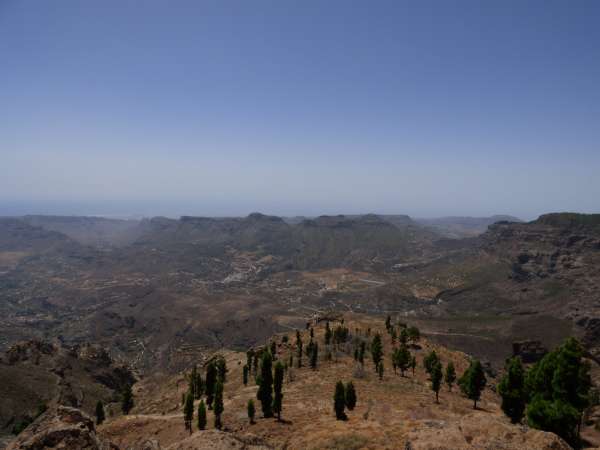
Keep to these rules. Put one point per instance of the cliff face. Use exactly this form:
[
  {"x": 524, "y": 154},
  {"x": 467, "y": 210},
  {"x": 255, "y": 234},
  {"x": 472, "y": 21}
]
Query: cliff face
[{"x": 555, "y": 264}]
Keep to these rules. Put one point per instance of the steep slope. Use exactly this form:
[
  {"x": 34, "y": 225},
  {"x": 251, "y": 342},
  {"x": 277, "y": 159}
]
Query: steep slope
[
  {"x": 395, "y": 412},
  {"x": 537, "y": 280},
  {"x": 35, "y": 375}
]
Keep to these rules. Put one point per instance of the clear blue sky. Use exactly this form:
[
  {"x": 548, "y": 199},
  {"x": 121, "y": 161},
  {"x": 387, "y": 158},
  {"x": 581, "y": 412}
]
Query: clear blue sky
[{"x": 299, "y": 107}]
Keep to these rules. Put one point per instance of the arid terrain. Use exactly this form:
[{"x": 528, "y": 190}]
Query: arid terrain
[{"x": 162, "y": 294}]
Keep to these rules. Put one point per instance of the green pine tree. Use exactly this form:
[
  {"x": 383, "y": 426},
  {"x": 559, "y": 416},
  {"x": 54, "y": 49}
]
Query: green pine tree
[
  {"x": 265, "y": 389},
  {"x": 327, "y": 333},
  {"x": 450, "y": 375},
  {"x": 218, "y": 404},
  {"x": 361, "y": 353},
  {"x": 376, "y": 350},
  {"x": 403, "y": 359},
  {"x": 299, "y": 348},
  {"x": 414, "y": 334},
  {"x": 436, "y": 380},
  {"x": 251, "y": 410},
  {"x": 559, "y": 388},
  {"x": 339, "y": 401},
  {"x": 314, "y": 355},
  {"x": 221, "y": 369},
  {"x": 100, "y": 413},
  {"x": 201, "y": 415},
  {"x": 473, "y": 381},
  {"x": 350, "y": 396},
  {"x": 211, "y": 380},
  {"x": 188, "y": 411},
  {"x": 249, "y": 357},
  {"x": 245, "y": 375},
  {"x": 403, "y": 336},
  {"x": 430, "y": 361},
  {"x": 380, "y": 370},
  {"x": 127, "y": 400},
  {"x": 512, "y": 390},
  {"x": 277, "y": 388}
]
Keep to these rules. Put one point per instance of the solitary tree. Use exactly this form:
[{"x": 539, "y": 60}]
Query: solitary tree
[
  {"x": 127, "y": 400},
  {"x": 376, "y": 350},
  {"x": 450, "y": 375},
  {"x": 414, "y": 334},
  {"x": 265, "y": 389},
  {"x": 436, "y": 380},
  {"x": 473, "y": 381},
  {"x": 413, "y": 364},
  {"x": 255, "y": 364},
  {"x": 380, "y": 370},
  {"x": 339, "y": 401},
  {"x": 249, "y": 357},
  {"x": 361, "y": 353},
  {"x": 251, "y": 411},
  {"x": 218, "y": 404},
  {"x": 201, "y": 415},
  {"x": 274, "y": 350},
  {"x": 277, "y": 388},
  {"x": 512, "y": 390},
  {"x": 192, "y": 381},
  {"x": 388, "y": 323},
  {"x": 221, "y": 369},
  {"x": 403, "y": 336},
  {"x": 299, "y": 348},
  {"x": 430, "y": 361},
  {"x": 350, "y": 396},
  {"x": 245, "y": 375},
  {"x": 195, "y": 383},
  {"x": 403, "y": 359},
  {"x": 314, "y": 355},
  {"x": 211, "y": 379},
  {"x": 100, "y": 413},
  {"x": 188, "y": 411}
]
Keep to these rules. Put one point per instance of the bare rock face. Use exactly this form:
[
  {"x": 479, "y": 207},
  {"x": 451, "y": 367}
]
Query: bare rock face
[
  {"x": 64, "y": 428},
  {"x": 481, "y": 431}
]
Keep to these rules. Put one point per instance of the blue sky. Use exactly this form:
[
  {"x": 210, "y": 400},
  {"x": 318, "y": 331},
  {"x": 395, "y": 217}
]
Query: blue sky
[{"x": 426, "y": 108}]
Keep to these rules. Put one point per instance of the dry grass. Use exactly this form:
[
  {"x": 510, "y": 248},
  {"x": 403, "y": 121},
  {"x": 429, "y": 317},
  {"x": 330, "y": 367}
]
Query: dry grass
[{"x": 386, "y": 413}]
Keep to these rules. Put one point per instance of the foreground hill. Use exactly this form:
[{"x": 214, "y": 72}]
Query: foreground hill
[{"x": 393, "y": 412}]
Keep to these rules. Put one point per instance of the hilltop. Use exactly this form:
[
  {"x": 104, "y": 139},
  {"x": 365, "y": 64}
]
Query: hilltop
[{"x": 394, "y": 412}]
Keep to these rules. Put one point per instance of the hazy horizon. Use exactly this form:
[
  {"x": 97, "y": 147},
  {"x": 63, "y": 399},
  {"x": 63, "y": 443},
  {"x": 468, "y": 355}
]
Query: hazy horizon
[{"x": 224, "y": 108}]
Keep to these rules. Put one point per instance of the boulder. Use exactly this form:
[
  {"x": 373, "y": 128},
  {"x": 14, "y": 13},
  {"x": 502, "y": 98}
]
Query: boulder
[{"x": 62, "y": 428}]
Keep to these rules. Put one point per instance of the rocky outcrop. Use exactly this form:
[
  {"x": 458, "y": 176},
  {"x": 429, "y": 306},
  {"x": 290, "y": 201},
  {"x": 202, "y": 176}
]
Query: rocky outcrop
[
  {"x": 62, "y": 428},
  {"x": 481, "y": 431}
]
